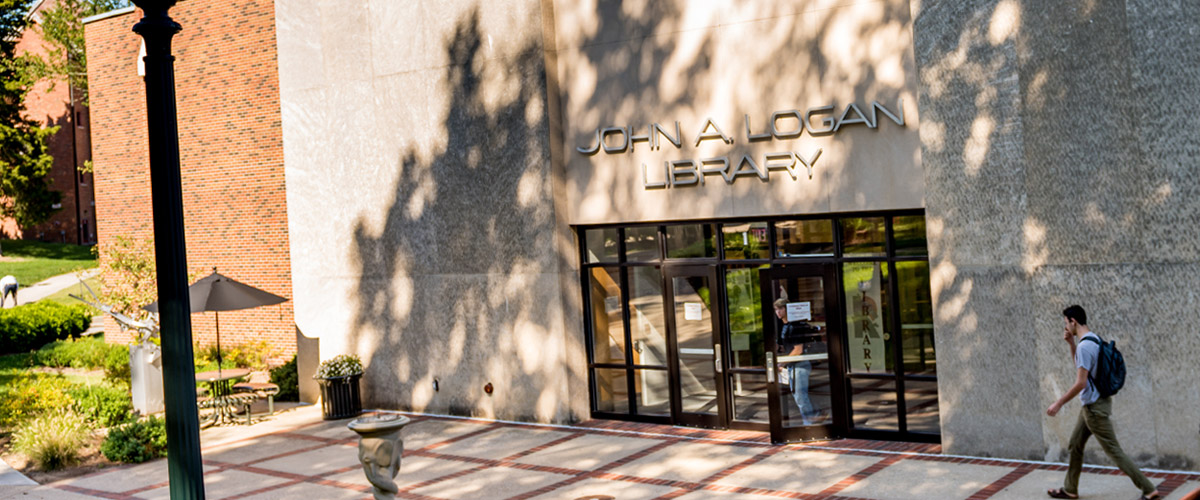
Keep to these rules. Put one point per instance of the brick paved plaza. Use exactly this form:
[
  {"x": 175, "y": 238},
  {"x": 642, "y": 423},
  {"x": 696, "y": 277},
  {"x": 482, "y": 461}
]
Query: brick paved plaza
[{"x": 297, "y": 455}]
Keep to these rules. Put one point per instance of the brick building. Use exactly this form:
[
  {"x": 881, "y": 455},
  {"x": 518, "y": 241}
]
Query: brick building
[
  {"x": 55, "y": 103},
  {"x": 230, "y": 151}
]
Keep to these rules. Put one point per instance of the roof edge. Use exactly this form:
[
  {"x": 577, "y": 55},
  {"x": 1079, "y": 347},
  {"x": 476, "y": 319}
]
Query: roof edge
[{"x": 111, "y": 13}]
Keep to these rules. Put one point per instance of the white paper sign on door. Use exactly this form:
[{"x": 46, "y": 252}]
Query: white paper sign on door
[
  {"x": 692, "y": 311},
  {"x": 799, "y": 311}
]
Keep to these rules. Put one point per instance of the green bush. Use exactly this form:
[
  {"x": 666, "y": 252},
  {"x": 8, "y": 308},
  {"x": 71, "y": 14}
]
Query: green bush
[
  {"x": 116, "y": 364},
  {"x": 86, "y": 353},
  {"x": 252, "y": 355},
  {"x": 28, "y": 327},
  {"x": 136, "y": 442},
  {"x": 104, "y": 405},
  {"x": 23, "y": 398},
  {"x": 53, "y": 440},
  {"x": 288, "y": 379}
]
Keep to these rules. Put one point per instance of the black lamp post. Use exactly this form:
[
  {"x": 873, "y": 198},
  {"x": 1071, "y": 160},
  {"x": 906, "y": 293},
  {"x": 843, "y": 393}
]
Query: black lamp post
[{"x": 184, "y": 465}]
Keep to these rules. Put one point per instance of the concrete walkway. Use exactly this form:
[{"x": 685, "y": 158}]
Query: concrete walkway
[
  {"x": 297, "y": 455},
  {"x": 10, "y": 477},
  {"x": 49, "y": 286}
]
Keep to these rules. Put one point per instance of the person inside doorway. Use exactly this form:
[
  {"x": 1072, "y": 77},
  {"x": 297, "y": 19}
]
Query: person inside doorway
[
  {"x": 9, "y": 286},
  {"x": 791, "y": 343}
]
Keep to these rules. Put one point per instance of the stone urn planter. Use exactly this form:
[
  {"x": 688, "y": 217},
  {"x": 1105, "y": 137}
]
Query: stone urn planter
[
  {"x": 338, "y": 378},
  {"x": 380, "y": 448}
]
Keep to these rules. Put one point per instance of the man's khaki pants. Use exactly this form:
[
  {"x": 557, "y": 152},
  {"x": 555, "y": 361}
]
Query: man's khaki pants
[{"x": 1094, "y": 421}]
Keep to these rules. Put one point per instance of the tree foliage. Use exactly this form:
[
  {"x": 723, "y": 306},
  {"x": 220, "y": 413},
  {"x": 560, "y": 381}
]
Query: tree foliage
[
  {"x": 127, "y": 275},
  {"x": 25, "y": 193},
  {"x": 61, "y": 27}
]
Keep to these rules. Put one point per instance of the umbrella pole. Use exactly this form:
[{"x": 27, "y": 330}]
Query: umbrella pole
[{"x": 217, "y": 316}]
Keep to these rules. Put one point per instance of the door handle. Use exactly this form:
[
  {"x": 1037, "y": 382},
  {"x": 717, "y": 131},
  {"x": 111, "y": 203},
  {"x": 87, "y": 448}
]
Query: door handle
[
  {"x": 771, "y": 367},
  {"x": 717, "y": 357}
]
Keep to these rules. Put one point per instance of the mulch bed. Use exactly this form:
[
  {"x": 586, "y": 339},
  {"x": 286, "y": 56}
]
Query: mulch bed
[{"x": 90, "y": 460}]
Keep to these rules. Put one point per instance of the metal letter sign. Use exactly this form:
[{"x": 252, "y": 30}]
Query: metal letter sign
[{"x": 785, "y": 124}]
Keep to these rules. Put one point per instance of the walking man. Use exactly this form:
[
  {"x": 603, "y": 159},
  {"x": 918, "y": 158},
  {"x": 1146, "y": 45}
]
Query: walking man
[
  {"x": 1094, "y": 416},
  {"x": 8, "y": 284}
]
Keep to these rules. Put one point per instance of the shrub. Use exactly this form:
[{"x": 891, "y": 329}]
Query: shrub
[
  {"x": 25, "y": 397},
  {"x": 52, "y": 440},
  {"x": 253, "y": 355},
  {"x": 104, "y": 405},
  {"x": 288, "y": 379},
  {"x": 116, "y": 364},
  {"x": 340, "y": 366},
  {"x": 87, "y": 353},
  {"x": 28, "y": 327},
  {"x": 136, "y": 442}
]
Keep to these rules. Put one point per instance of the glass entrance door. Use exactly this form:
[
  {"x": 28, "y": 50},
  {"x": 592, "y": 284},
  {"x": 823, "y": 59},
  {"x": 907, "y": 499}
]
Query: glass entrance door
[
  {"x": 698, "y": 394},
  {"x": 803, "y": 338}
]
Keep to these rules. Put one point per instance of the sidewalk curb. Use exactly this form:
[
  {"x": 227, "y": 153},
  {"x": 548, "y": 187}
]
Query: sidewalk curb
[{"x": 12, "y": 477}]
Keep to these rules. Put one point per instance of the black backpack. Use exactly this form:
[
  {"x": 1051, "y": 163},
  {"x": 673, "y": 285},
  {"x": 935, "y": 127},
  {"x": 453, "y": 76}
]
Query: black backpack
[{"x": 1109, "y": 375}]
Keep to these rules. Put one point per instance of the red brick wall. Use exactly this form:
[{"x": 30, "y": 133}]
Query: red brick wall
[
  {"x": 231, "y": 151},
  {"x": 51, "y": 107}
]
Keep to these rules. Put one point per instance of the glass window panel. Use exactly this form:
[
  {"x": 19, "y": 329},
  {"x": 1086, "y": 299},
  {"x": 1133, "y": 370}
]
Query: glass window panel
[
  {"x": 802, "y": 361},
  {"x": 691, "y": 240},
  {"x": 601, "y": 245},
  {"x": 921, "y": 401},
  {"x": 873, "y": 404},
  {"x": 864, "y": 237},
  {"x": 641, "y": 244},
  {"x": 612, "y": 391},
  {"x": 746, "y": 241},
  {"x": 909, "y": 234},
  {"x": 868, "y": 331},
  {"x": 646, "y": 316},
  {"x": 916, "y": 317},
  {"x": 746, "y": 343},
  {"x": 804, "y": 238},
  {"x": 806, "y": 383},
  {"x": 653, "y": 393},
  {"x": 694, "y": 344},
  {"x": 750, "y": 397},
  {"x": 608, "y": 330}
]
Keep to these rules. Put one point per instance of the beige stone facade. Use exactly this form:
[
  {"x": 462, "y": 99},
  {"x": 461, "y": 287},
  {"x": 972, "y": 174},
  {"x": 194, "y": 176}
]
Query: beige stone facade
[
  {"x": 807, "y": 71},
  {"x": 442, "y": 160}
]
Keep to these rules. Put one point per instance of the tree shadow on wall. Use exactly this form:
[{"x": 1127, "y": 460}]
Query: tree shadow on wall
[
  {"x": 460, "y": 284},
  {"x": 464, "y": 283},
  {"x": 658, "y": 64},
  {"x": 1039, "y": 166}
]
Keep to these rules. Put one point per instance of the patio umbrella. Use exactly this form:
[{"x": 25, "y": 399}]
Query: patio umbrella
[{"x": 216, "y": 293}]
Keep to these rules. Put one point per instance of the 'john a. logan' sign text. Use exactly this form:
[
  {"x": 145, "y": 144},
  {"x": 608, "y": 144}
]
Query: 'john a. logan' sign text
[{"x": 783, "y": 125}]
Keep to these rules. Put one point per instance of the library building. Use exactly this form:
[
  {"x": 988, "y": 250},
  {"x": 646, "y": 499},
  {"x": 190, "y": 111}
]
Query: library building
[{"x": 812, "y": 219}]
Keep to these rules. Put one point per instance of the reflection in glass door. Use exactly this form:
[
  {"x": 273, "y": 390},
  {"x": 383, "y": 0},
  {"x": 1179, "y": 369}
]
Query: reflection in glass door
[
  {"x": 699, "y": 394},
  {"x": 745, "y": 372},
  {"x": 802, "y": 363}
]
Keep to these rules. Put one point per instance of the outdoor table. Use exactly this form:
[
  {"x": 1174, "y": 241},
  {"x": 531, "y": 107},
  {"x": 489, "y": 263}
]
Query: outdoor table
[{"x": 220, "y": 389}]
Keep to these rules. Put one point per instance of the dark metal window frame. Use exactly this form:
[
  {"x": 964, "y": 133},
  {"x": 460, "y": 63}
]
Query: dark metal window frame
[{"x": 837, "y": 259}]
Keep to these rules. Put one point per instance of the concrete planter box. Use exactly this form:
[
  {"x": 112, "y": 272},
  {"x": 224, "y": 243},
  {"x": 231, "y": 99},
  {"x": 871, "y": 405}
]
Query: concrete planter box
[{"x": 146, "y": 378}]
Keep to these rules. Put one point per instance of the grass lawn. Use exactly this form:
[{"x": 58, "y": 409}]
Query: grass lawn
[
  {"x": 62, "y": 296},
  {"x": 34, "y": 261}
]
